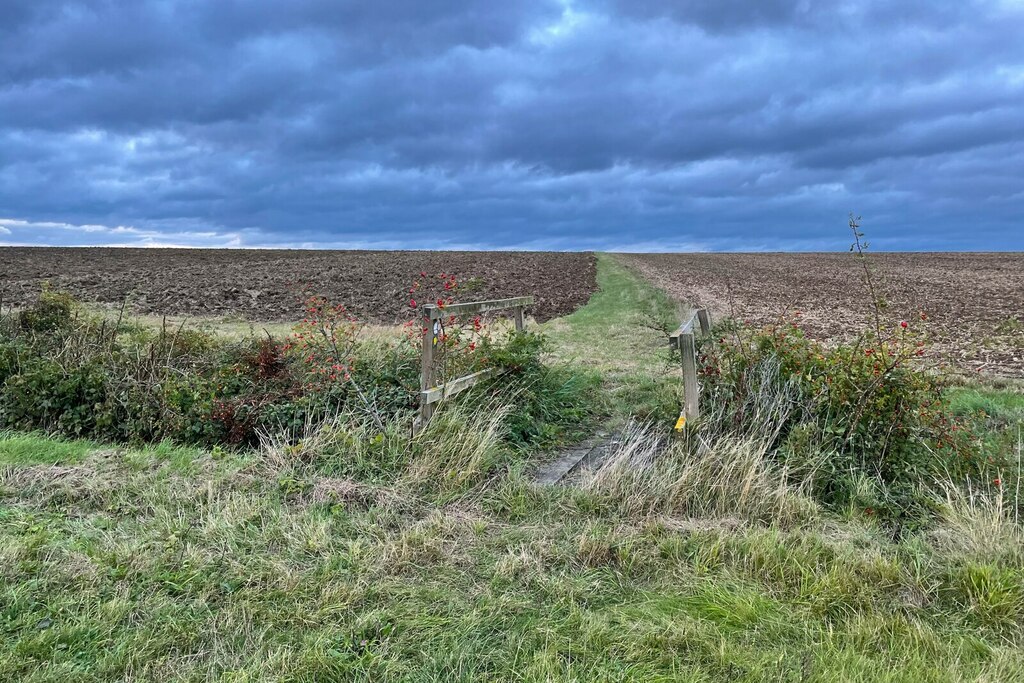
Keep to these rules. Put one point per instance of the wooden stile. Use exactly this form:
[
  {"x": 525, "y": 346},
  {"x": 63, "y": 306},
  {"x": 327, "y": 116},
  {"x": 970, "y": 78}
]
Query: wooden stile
[{"x": 432, "y": 315}]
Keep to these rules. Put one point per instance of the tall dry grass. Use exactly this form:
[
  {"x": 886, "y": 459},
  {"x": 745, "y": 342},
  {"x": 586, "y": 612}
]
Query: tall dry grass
[
  {"x": 457, "y": 447},
  {"x": 722, "y": 465},
  {"x": 728, "y": 476},
  {"x": 981, "y": 524}
]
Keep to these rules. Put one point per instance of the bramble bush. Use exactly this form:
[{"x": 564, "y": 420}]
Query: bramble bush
[{"x": 53, "y": 311}]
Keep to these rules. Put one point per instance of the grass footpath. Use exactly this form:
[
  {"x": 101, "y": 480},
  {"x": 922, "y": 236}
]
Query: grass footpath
[
  {"x": 176, "y": 564},
  {"x": 622, "y": 334},
  {"x": 621, "y": 331}
]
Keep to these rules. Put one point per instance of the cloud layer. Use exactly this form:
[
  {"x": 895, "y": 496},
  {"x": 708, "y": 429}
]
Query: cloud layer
[{"x": 603, "y": 124}]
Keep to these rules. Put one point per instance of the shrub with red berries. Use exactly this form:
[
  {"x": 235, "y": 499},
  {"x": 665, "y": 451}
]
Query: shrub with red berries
[
  {"x": 873, "y": 406},
  {"x": 462, "y": 344}
]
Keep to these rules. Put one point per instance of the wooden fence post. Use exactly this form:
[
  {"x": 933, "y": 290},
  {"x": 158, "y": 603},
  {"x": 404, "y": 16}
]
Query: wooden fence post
[
  {"x": 691, "y": 400},
  {"x": 427, "y": 363},
  {"x": 520, "y": 318},
  {"x": 705, "y": 322}
]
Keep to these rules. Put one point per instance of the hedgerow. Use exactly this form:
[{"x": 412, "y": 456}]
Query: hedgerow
[{"x": 69, "y": 372}]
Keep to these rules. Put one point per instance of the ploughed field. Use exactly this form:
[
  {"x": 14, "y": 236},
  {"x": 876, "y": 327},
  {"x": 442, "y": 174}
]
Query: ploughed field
[
  {"x": 974, "y": 302},
  {"x": 266, "y": 285}
]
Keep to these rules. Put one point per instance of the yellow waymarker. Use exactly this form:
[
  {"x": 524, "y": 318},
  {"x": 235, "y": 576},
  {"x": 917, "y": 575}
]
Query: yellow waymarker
[{"x": 681, "y": 422}]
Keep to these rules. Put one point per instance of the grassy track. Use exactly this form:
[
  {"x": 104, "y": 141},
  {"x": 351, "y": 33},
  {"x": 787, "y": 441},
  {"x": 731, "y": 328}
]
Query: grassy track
[
  {"x": 622, "y": 334},
  {"x": 619, "y": 330},
  {"x": 171, "y": 564}
]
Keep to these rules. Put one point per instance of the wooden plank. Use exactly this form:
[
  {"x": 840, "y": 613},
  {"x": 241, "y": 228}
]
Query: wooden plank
[
  {"x": 435, "y": 312},
  {"x": 553, "y": 472},
  {"x": 689, "y": 357},
  {"x": 442, "y": 391},
  {"x": 705, "y": 321},
  {"x": 520, "y": 318}
]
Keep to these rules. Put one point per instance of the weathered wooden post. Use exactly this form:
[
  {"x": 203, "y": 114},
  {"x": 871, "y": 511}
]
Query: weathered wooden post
[
  {"x": 705, "y": 322},
  {"x": 691, "y": 399},
  {"x": 520, "y": 318},
  {"x": 684, "y": 340},
  {"x": 427, "y": 360}
]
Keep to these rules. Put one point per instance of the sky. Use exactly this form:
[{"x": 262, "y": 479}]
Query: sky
[{"x": 621, "y": 125}]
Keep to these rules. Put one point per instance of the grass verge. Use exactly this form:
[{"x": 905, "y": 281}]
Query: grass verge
[{"x": 191, "y": 566}]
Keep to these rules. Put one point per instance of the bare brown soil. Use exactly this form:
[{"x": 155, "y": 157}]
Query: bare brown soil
[
  {"x": 265, "y": 285},
  {"x": 974, "y": 302}
]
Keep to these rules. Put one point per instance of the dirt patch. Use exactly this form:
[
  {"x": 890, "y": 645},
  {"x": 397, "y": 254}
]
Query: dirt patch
[
  {"x": 264, "y": 285},
  {"x": 974, "y": 302}
]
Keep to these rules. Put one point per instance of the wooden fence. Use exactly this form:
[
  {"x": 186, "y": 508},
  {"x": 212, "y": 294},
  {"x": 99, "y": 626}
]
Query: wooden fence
[
  {"x": 683, "y": 339},
  {"x": 431, "y": 393}
]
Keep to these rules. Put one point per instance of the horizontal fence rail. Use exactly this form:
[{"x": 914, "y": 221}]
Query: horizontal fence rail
[
  {"x": 435, "y": 312},
  {"x": 447, "y": 389},
  {"x": 431, "y": 393}
]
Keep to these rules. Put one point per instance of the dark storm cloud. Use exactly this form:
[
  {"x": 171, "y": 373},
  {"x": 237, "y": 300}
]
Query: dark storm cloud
[
  {"x": 731, "y": 16},
  {"x": 733, "y": 124}
]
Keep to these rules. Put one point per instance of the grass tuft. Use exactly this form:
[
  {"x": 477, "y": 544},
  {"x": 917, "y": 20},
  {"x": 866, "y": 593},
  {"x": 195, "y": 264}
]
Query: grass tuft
[{"x": 731, "y": 476}]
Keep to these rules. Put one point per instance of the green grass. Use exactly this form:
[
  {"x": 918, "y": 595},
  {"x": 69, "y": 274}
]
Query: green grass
[
  {"x": 35, "y": 449},
  {"x": 995, "y": 414},
  {"x": 125, "y": 567},
  {"x": 228, "y": 326},
  {"x": 624, "y": 327},
  {"x": 1005, "y": 405}
]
